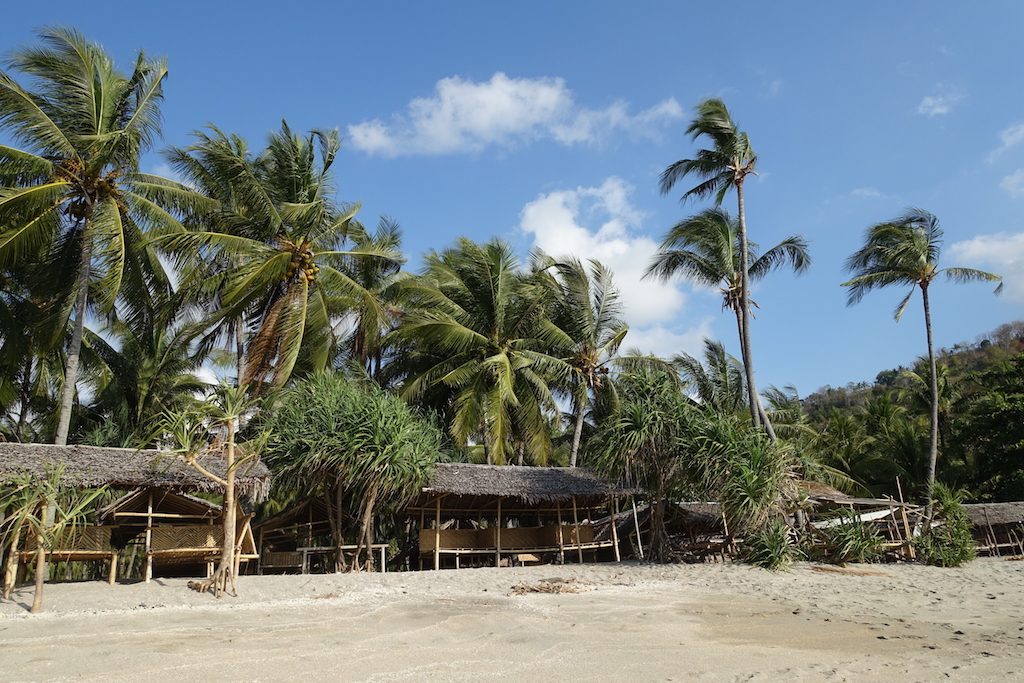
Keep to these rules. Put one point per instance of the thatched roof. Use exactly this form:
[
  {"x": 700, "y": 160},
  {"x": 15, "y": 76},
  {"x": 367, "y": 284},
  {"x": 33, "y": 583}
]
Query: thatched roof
[
  {"x": 983, "y": 514},
  {"x": 527, "y": 484},
  {"x": 92, "y": 466}
]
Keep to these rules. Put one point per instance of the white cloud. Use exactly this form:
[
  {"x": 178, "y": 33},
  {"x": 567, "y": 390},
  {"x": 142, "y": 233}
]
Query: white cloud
[
  {"x": 467, "y": 116},
  {"x": 1008, "y": 139},
  {"x": 1014, "y": 183},
  {"x": 665, "y": 341},
  {"x": 941, "y": 102},
  {"x": 1002, "y": 253},
  {"x": 602, "y": 223},
  {"x": 866, "y": 192}
]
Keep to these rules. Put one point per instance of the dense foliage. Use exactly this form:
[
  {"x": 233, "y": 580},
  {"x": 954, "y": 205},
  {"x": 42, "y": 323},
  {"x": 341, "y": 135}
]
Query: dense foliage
[{"x": 879, "y": 431}]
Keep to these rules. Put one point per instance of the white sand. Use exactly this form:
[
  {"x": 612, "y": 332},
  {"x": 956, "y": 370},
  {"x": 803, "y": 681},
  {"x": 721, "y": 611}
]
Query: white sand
[{"x": 639, "y": 623}]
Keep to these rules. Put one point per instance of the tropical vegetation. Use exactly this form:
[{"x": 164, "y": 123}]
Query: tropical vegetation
[{"x": 123, "y": 294}]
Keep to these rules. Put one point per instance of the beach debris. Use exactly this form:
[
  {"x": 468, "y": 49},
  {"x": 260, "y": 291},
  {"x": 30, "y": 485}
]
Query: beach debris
[
  {"x": 553, "y": 585},
  {"x": 834, "y": 569}
]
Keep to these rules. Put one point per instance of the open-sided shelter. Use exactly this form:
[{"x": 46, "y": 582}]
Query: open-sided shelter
[
  {"x": 159, "y": 511},
  {"x": 300, "y": 539},
  {"x": 998, "y": 527},
  {"x": 482, "y": 513}
]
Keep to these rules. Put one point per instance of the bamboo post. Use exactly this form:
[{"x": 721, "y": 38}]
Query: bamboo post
[
  {"x": 437, "y": 533},
  {"x": 423, "y": 519},
  {"x": 149, "y": 536},
  {"x": 636, "y": 525},
  {"x": 612, "y": 510},
  {"x": 209, "y": 565},
  {"x": 112, "y": 573},
  {"x": 497, "y": 538},
  {"x": 906, "y": 522},
  {"x": 995, "y": 540},
  {"x": 561, "y": 541},
  {"x": 576, "y": 523}
]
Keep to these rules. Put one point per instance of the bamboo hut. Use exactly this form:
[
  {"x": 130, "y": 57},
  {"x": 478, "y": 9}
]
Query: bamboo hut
[
  {"x": 998, "y": 528},
  {"x": 489, "y": 514},
  {"x": 158, "y": 513}
]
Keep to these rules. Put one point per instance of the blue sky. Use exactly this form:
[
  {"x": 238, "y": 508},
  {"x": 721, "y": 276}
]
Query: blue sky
[{"x": 548, "y": 125}]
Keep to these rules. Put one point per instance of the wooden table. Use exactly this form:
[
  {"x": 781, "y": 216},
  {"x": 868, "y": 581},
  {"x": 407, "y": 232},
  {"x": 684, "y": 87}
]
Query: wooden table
[{"x": 323, "y": 549}]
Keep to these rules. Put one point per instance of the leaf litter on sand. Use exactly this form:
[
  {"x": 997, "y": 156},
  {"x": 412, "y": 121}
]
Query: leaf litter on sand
[
  {"x": 832, "y": 569},
  {"x": 553, "y": 585}
]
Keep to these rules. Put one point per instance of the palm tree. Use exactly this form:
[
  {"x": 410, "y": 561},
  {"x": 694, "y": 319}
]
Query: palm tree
[
  {"x": 278, "y": 241},
  {"x": 71, "y": 199},
  {"x": 709, "y": 250},
  {"x": 148, "y": 370},
  {"x": 905, "y": 252},
  {"x": 372, "y": 317},
  {"x": 724, "y": 166},
  {"x": 583, "y": 328},
  {"x": 475, "y": 318},
  {"x": 718, "y": 381}
]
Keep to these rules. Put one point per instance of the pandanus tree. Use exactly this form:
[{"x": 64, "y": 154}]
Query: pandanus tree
[
  {"x": 354, "y": 444},
  {"x": 583, "y": 328},
  {"x": 707, "y": 250},
  {"x": 721, "y": 167},
  {"x": 72, "y": 199},
  {"x": 276, "y": 247},
  {"x": 475, "y": 317},
  {"x": 904, "y": 252}
]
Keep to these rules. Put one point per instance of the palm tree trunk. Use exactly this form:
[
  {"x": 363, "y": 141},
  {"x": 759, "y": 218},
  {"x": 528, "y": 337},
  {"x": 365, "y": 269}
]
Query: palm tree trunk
[
  {"x": 37, "y": 596},
  {"x": 577, "y": 433},
  {"x": 748, "y": 361},
  {"x": 239, "y": 351},
  {"x": 25, "y": 399},
  {"x": 767, "y": 423},
  {"x": 71, "y": 369},
  {"x": 933, "y": 448}
]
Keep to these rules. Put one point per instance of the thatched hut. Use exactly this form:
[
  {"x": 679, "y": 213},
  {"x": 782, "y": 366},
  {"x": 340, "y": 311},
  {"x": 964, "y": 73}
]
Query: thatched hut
[
  {"x": 173, "y": 527},
  {"x": 487, "y": 512},
  {"x": 998, "y": 527}
]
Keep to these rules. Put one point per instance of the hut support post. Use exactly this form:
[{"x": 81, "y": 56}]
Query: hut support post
[
  {"x": 497, "y": 537},
  {"x": 423, "y": 519},
  {"x": 636, "y": 525},
  {"x": 561, "y": 541},
  {"x": 906, "y": 522},
  {"x": 576, "y": 524},
  {"x": 437, "y": 533},
  {"x": 112, "y": 570},
  {"x": 149, "y": 537},
  {"x": 613, "y": 505}
]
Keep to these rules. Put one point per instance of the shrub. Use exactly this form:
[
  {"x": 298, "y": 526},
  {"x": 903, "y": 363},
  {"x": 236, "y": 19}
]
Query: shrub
[
  {"x": 951, "y": 544},
  {"x": 770, "y": 547},
  {"x": 851, "y": 540}
]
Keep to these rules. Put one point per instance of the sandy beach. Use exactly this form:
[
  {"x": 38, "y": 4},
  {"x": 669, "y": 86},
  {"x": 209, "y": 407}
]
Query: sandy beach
[{"x": 627, "y": 622}]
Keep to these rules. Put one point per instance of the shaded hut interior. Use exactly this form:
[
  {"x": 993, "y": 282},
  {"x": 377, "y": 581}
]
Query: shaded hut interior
[
  {"x": 490, "y": 515},
  {"x": 300, "y": 539}
]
